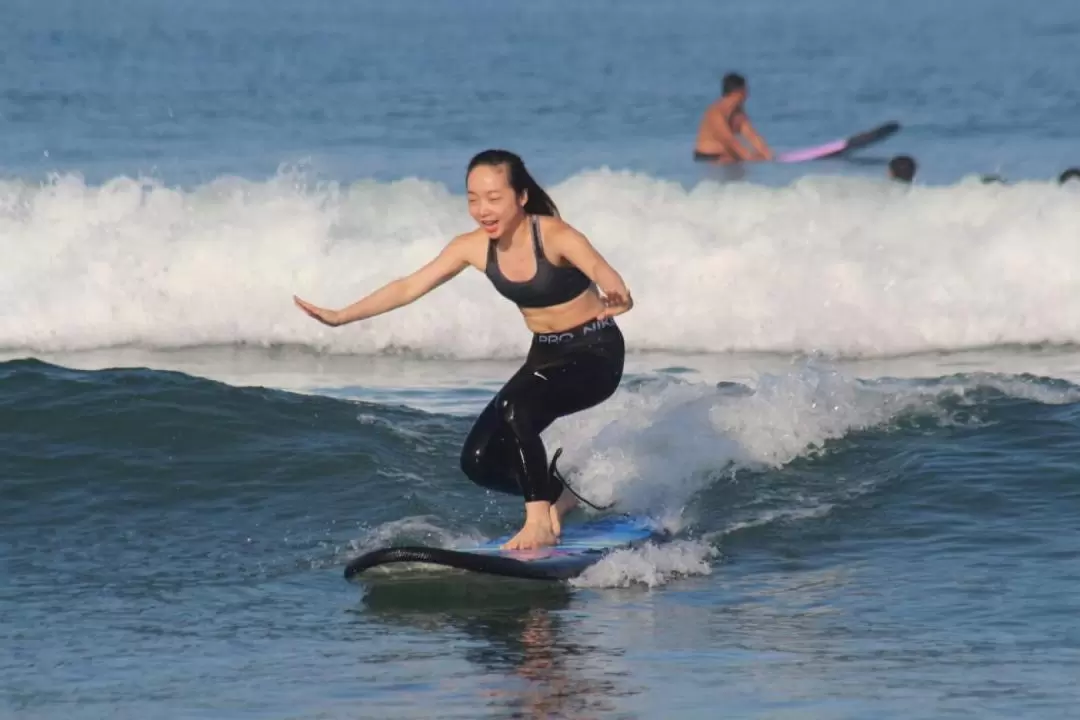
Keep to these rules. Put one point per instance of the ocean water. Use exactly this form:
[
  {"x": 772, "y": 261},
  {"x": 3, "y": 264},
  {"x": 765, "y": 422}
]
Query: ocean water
[{"x": 855, "y": 405}]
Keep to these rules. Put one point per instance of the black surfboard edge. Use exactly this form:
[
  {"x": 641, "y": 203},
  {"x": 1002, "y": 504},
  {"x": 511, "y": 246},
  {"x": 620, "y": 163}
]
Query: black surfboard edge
[
  {"x": 486, "y": 563},
  {"x": 869, "y": 137},
  {"x": 475, "y": 562}
]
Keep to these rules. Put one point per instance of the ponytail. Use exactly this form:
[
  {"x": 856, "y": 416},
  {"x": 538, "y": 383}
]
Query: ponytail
[{"x": 538, "y": 202}]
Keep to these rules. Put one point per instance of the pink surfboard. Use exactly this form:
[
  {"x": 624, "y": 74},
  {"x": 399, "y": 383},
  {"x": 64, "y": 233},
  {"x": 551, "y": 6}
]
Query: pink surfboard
[{"x": 838, "y": 147}]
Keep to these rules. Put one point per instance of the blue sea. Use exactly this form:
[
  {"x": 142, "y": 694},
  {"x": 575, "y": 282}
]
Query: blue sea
[{"x": 854, "y": 404}]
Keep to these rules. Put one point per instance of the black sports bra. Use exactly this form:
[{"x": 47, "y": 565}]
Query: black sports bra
[{"x": 551, "y": 285}]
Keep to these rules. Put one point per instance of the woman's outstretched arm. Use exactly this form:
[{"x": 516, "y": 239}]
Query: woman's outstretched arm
[{"x": 452, "y": 260}]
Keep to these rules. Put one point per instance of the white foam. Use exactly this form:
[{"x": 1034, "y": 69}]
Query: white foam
[
  {"x": 769, "y": 517},
  {"x": 1012, "y": 386},
  {"x": 655, "y": 445},
  {"x": 650, "y": 565},
  {"x": 424, "y": 530},
  {"x": 653, "y": 448},
  {"x": 843, "y": 266}
]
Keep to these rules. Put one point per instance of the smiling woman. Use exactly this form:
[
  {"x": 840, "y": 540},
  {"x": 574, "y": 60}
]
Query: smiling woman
[{"x": 568, "y": 296}]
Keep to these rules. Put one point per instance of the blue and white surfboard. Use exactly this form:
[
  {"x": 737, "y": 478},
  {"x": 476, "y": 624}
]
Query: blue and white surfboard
[{"x": 580, "y": 546}]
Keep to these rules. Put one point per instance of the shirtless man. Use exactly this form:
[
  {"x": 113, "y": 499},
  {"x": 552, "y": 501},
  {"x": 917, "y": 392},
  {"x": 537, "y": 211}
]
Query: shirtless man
[{"x": 725, "y": 119}]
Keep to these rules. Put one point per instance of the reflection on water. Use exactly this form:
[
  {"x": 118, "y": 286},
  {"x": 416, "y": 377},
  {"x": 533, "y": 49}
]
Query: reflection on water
[
  {"x": 527, "y": 649},
  {"x": 529, "y": 660}
]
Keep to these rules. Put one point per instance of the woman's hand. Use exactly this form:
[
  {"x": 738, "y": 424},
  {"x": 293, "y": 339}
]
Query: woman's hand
[
  {"x": 616, "y": 302},
  {"x": 326, "y": 317}
]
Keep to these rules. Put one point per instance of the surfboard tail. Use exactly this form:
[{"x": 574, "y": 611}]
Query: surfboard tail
[{"x": 840, "y": 147}]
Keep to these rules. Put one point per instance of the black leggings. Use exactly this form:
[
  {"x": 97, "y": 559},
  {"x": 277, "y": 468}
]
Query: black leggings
[{"x": 564, "y": 373}]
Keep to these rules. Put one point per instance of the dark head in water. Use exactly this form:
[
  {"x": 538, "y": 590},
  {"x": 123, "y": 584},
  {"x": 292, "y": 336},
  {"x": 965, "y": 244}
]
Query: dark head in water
[
  {"x": 992, "y": 179},
  {"x": 502, "y": 192},
  {"x": 1070, "y": 174},
  {"x": 735, "y": 83},
  {"x": 902, "y": 168}
]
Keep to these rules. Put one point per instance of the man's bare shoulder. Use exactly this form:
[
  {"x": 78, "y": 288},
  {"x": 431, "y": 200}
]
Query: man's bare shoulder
[{"x": 717, "y": 107}]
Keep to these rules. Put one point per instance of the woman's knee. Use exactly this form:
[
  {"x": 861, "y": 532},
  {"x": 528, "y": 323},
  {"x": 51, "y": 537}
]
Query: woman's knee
[
  {"x": 486, "y": 464},
  {"x": 474, "y": 452},
  {"x": 479, "y": 449}
]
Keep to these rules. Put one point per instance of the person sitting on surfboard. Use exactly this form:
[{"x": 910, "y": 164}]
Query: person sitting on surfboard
[
  {"x": 723, "y": 121},
  {"x": 568, "y": 295}
]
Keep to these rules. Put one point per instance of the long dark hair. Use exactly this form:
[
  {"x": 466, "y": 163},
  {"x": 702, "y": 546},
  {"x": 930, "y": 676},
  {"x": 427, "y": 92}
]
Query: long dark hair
[{"x": 539, "y": 202}]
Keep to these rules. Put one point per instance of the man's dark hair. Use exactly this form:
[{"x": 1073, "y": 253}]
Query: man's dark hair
[
  {"x": 902, "y": 167},
  {"x": 733, "y": 82}
]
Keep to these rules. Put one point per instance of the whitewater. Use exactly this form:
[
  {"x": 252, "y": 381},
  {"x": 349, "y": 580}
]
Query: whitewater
[{"x": 849, "y": 267}]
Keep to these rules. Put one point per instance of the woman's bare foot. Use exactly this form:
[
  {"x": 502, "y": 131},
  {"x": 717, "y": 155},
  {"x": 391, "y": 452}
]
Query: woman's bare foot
[
  {"x": 538, "y": 531},
  {"x": 563, "y": 505},
  {"x": 532, "y": 537}
]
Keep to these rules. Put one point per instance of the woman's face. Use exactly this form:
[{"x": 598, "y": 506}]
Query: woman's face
[{"x": 493, "y": 203}]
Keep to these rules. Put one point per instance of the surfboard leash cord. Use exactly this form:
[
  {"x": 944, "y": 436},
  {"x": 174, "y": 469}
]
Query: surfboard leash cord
[{"x": 554, "y": 472}]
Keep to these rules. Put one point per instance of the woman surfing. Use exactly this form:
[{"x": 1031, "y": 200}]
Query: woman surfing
[{"x": 568, "y": 296}]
